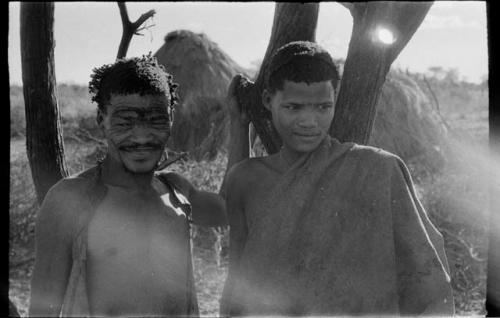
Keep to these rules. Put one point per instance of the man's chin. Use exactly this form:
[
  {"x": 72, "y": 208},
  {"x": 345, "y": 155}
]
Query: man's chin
[
  {"x": 307, "y": 147},
  {"x": 138, "y": 171},
  {"x": 140, "y": 167},
  {"x": 140, "y": 164}
]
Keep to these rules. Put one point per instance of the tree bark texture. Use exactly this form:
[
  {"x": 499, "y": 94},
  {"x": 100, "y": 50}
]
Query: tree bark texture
[
  {"x": 45, "y": 147},
  {"x": 368, "y": 62},
  {"x": 292, "y": 22}
]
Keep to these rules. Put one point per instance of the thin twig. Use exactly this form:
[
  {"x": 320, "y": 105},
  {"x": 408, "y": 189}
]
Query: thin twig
[
  {"x": 472, "y": 253},
  {"x": 143, "y": 18},
  {"x": 432, "y": 93},
  {"x": 172, "y": 159},
  {"x": 85, "y": 133},
  {"x": 73, "y": 137}
]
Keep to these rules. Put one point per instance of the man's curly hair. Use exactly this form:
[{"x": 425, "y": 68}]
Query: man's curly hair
[
  {"x": 300, "y": 61},
  {"x": 142, "y": 75}
]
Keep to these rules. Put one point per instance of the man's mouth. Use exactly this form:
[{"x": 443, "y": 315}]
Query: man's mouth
[
  {"x": 140, "y": 148},
  {"x": 307, "y": 136}
]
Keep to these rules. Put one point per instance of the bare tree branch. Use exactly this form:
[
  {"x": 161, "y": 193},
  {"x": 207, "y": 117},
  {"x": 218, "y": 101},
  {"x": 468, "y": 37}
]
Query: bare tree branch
[
  {"x": 146, "y": 27},
  {"x": 143, "y": 19},
  {"x": 368, "y": 61},
  {"x": 130, "y": 28},
  {"x": 123, "y": 13}
]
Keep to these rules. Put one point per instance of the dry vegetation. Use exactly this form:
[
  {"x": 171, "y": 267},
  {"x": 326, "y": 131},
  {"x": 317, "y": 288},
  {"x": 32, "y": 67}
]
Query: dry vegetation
[{"x": 456, "y": 197}]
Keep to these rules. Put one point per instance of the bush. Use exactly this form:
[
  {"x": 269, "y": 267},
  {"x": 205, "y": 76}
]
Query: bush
[{"x": 75, "y": 109}]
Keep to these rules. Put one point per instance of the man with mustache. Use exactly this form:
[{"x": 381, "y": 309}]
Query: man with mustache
[
  {"x": 324, "y": 228},
  {"x": 114, "y": 240}
]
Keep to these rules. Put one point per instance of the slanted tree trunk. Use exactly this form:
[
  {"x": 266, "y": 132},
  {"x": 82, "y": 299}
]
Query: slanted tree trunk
[
  {"x": 493, "y": 276},
  {"x": 368, "y": 62},
  {"x": 292, "y": 22},
  {"x": 45, "y": 147}
]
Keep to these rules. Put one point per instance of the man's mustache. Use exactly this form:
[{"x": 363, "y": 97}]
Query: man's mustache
[{"x": 135, "y": 146}]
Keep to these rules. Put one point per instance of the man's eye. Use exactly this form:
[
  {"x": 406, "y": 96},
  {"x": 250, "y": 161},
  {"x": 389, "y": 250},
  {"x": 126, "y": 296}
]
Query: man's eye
[
  {"x": 325, "y": 106},
  {"x": 291, "y": 107},
  {"x": 124, "y": 124}
]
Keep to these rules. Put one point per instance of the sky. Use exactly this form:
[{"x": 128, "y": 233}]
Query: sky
[{"x": 87, "y": 34}]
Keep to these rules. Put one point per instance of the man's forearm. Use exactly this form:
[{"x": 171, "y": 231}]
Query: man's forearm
[{"x": 238, "y": 144}]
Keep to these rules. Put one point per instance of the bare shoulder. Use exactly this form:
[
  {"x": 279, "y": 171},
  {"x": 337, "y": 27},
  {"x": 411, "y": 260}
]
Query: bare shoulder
[
  {"x": 247, "y": 171},
  {"x": 247, "y": 174},
  {"x": 61, "y": 203}
]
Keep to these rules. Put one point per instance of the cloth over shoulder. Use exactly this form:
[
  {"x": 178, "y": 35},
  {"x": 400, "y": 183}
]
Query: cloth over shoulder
[{"x": 342, "y": 233}]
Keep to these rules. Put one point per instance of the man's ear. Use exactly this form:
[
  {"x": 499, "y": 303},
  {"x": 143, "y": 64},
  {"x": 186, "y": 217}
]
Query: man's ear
[
  {"x": 100, "y": 119},
  {"x": 266, "y": 99}
]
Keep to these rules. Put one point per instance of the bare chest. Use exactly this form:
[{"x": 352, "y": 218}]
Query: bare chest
[
  {"x": 133, "y": 225},
  {"x": 137, "y": 249}
]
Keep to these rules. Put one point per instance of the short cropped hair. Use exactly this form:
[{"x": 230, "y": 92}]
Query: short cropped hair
[
  {"x": 142, "y": 75},
  {"x": 300, "y": 61}
]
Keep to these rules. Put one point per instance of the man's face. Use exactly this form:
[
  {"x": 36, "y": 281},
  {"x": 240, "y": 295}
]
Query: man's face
[
  {"x": 136, "y": 129},
  {"x": 302, "y": 113}
]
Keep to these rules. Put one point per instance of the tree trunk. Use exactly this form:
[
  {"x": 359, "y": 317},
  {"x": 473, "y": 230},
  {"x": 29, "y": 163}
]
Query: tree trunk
[
  {"x": 493, "y": 276},
  {"x": 44, "y": 141},
  {"x": 13, "y": 312},
  {"x": 292, "y": 22},
  {"x": 368, "y": 62}
]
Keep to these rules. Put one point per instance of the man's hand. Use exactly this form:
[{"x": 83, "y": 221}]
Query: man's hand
[
  {"x": 208, "y": 208},
  {"x": 237, "y": 113}
]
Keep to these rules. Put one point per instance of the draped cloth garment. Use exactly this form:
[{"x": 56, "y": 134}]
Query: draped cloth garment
[{"x": 341, "y": 233}]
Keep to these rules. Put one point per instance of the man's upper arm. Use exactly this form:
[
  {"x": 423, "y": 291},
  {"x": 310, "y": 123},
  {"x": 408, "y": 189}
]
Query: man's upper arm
[
  {"x": 234, "y": 196},
  {"x": 208, "y": 208},
  {"x": 235, "y": 199},
  {"x": 54, "y": 228}
]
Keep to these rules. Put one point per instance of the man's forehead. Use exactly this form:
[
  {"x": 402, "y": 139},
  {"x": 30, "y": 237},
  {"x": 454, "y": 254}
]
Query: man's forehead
[
  {"x": 139, "y": 110},
  {"x": 318, "y": 91},
  {"x": 136, "y": 102}
]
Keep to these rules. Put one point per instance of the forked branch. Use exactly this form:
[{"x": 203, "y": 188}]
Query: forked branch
[{"x": 130, "y": 28}]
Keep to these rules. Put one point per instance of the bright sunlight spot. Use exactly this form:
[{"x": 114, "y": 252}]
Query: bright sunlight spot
[{"x": 385, "y": 36}]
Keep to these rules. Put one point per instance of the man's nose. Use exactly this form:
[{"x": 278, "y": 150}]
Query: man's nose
[
  {"x": 307, "y": 119},
  {"x": 141, "y": 133}
]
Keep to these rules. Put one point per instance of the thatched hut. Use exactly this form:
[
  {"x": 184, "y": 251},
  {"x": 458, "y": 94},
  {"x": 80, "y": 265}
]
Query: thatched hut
[
  {"x": 408, "y": 124},
  {"x": 203, "y": 72}
]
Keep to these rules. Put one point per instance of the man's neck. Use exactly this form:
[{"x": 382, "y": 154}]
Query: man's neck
[
  {"x": 290, "y": 156},
  {"x": 115, "y": 174}
]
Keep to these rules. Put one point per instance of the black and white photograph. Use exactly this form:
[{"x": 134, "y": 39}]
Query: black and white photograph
[{"x": 276, "y": 159}]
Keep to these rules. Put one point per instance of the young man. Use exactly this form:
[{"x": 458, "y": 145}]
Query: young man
[
  {"x": 323, "y": 227},
  {"x": 114, "y": 240}
]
